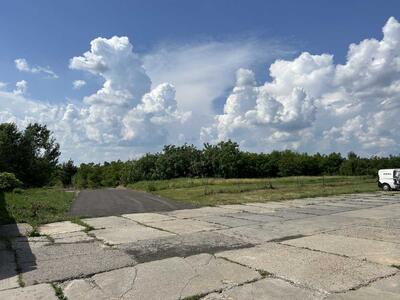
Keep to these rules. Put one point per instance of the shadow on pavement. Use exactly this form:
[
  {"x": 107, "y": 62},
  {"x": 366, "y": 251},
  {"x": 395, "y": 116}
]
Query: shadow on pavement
[{"x": 14, "y": 249}]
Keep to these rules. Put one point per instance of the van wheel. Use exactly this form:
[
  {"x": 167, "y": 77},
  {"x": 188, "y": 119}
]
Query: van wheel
[{"x": 386, "y": 187}]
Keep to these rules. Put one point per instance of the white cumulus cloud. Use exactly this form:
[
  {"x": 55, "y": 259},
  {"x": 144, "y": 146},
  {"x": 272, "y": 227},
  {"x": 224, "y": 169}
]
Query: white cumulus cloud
[
  {"x": 309, "y": 103},
  {"x": 314, "y": 105}
]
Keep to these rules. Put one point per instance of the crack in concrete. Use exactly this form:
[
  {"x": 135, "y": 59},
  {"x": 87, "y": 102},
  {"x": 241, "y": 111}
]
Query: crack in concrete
[
  {"x": 131, "y": 286},
  {"x": 149, "y": 226}
]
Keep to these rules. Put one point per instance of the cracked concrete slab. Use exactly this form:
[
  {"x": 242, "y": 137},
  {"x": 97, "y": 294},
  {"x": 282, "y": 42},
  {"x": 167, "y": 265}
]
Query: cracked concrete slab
[
  {"x": 27, "y": 243},
  {"x": 182, "y": 246},
  {"x": 384, "y": 223},
  {"x": 383, "y": 212},
  {"x": 351, "y": 205},
  {"x": 311, "y": 269},
  {"x": 129, "y": 234},
  {"x": 35, "y": 292},
  {"x": 311, "y": 211},
  {"x": 172, "y": 278},
  {"x": 357, "y": 204},
  {"x": 231, "y": 220},
  {"x": 58, "y": 262},
  {"x": 334, "y": 209},
  {"x": 14, "y": 230},
  {"x": 260, "y": 218},
  {"x": 268, "y": 288},
  {"x": 198, "y": 212},
  {"x": 287, "y": 214},
  {"x": 255, "y": 234},
  {"x": 71, "y": 237},
  {"x": 261, "y": 233},
  {"x": 247, "y": 208},
  {"x": 377, "y": 251},
  {"x": 387, "y": 288},
  {"x": 184, "y": 226},
  {"x": 147, "y": 217},
  {"x": 59, "y": 227},
  {"x": 386, "y": 234},
  {"x": 108, "y": 222},
  {"x": 8, "y": 272},
  {"x": 273, "y": 205}
]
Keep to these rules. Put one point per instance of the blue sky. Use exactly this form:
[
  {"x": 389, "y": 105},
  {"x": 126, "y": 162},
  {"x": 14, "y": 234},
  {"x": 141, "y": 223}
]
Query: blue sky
[
  {"x": 51, "y": 32},
  {"x": 48, "y": 34}
]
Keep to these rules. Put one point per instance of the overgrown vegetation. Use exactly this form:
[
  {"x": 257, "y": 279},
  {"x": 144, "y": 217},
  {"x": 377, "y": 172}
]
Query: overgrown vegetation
[
  {"x": 34, "y": 206},
  {"x": 226, "y": 160},
  {"x": 211, "y": 191}
]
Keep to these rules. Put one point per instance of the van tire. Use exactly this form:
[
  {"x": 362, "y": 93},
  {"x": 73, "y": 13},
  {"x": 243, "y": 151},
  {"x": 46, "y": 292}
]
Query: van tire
[{"x": 386, "y": 187}]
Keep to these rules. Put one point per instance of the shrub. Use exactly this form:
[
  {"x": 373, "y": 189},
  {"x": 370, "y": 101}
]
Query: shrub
[
  {"x": 151, "y": 187},
  {"x": 18, "y": 190},
  {"x": 8, "y": 181}
]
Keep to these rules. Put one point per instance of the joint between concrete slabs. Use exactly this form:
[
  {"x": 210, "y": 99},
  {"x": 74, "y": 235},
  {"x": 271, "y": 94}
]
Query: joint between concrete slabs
[
  {"x": 146, "y": 225},
  {"x": 266, "y": 274}
]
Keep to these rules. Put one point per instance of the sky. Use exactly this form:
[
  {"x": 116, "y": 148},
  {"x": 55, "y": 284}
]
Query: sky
[{"x": 117, "y": 79}]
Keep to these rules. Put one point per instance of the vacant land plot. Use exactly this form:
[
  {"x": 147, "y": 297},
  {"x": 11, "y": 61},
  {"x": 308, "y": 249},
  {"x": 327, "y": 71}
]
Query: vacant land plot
[
  {"x": 230, "y": 191},
  {"x": 35, "y": 206}
]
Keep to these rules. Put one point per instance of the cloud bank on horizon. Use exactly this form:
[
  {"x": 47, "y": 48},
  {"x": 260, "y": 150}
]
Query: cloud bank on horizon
[{"x": 309, "y": 104}]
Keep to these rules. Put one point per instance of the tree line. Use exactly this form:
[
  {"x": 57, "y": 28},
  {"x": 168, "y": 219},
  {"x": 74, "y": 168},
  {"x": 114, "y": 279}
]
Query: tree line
[
  {"x": 32, "y": 155},
  {"x": 226, "y": 160}
]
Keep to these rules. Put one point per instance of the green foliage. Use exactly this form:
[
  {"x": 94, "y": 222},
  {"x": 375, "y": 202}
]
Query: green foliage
[
  {"x": 18, "y": 190},
  {"x": 31, "y": 154},
  {"x": 66, "y": 172},
  {"x": 35, "y": 206},
  {"x": 95, "y": 175},
  {"x": 225, "y": 160},
  {"x": 216, "y": 191},
  {"x": 8, "y": 181}
]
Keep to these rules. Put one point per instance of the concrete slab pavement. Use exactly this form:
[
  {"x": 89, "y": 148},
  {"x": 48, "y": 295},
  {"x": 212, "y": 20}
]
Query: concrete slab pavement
[
  {"x": 268, "y": 288},
  {"x": 384, "y": 253},
  {"x": 173, "y": 278},
  {"x": 339, "y": 247},
  {"x": 316, "y": 270},
  {"x": 35, "y": 292}
]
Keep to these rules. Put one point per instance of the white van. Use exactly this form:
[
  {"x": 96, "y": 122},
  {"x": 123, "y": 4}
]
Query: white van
[{"x": 389, "y": 179}]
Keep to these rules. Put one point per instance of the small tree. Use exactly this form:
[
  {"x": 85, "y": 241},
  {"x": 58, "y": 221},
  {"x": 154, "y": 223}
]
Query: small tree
[
  {"x": 66, "y": 172},
  {"x": 8, "y": 181}
]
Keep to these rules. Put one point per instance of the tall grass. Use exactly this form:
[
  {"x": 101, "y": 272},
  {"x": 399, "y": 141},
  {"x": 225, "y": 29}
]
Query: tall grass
[{"x": 212, "y": 191}]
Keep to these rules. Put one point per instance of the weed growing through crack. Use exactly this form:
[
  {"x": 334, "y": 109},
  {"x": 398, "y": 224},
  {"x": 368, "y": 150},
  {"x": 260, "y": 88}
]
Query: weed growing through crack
[
  {"x": 59, "y": 292},
  {"x": 80, "y": 222}
]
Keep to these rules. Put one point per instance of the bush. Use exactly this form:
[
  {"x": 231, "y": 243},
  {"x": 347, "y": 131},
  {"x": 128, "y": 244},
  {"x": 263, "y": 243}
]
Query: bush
[
  {"x": 18, "y": 190},
  {"x": 8, "y": 181}
]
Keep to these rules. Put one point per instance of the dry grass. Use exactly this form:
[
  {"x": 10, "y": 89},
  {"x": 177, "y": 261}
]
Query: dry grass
[{"x": 228, "y": 191}]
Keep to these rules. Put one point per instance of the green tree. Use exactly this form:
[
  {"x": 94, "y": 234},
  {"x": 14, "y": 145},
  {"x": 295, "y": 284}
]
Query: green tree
[
  {"x": 66, "y": 172},
  {"x": 41, "y": 154}
]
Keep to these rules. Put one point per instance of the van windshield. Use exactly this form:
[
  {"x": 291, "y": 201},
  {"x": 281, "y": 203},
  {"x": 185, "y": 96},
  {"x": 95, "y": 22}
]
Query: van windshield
[{"x": 396, "y": 174}]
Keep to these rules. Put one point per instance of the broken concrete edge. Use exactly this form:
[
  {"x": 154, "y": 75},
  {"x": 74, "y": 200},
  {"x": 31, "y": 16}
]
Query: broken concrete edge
[{"x": 78, "y": 221}]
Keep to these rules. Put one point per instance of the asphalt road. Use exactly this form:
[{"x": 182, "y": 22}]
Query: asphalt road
[{"x": 110, "y": 202}]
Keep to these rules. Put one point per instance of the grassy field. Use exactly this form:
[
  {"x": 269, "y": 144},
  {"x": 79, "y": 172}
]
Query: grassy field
[
  {"x": 35, "y": 206},
  {"x": 229, "y": 191}
]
